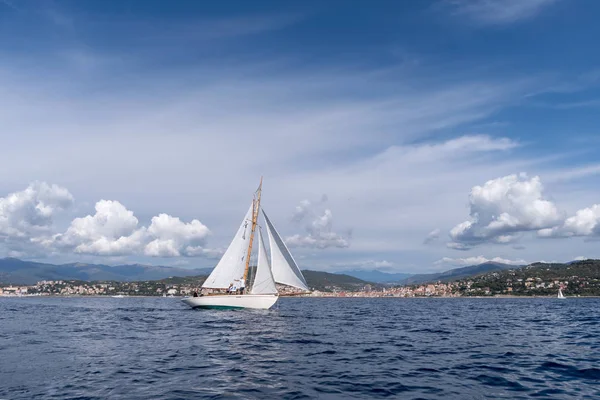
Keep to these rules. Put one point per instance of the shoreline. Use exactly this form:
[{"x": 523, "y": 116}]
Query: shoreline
[{"x": 311, "y": 297}]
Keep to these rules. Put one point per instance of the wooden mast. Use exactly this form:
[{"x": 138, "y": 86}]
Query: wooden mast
[{"x": 255, "y": 211}]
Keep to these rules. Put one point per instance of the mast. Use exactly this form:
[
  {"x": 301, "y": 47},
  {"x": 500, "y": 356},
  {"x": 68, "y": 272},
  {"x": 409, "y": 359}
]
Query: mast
[{"x": 255, "y": 211}]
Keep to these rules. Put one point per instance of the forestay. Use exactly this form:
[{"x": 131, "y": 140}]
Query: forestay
[
  {"x": 231, "y": 266},
  {"x": 263, "y": 281},
  {"x": 284, "y": 267}
]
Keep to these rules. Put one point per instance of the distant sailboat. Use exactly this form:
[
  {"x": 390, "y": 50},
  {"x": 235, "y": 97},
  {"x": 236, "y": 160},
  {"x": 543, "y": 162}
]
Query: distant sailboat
[
  {"x": 560, "y": 294},
  {"x": 243, "y": 287}
]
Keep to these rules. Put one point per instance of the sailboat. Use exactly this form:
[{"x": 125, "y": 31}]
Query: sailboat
[
  {"x": 560, "y": 294},
  {"x": 234, "y": 284}
]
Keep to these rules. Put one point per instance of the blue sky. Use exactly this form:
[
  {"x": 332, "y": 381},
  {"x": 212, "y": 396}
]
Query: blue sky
[{"x": 403, "y": 136}]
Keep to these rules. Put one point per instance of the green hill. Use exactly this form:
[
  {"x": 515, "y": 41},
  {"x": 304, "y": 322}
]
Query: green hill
[
  {"x": 326, "y": 282},
  {"x": 540, "y": 279}
]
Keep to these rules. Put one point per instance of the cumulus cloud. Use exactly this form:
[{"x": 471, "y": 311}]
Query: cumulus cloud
[
  {"x": 503, "y": 208},
  {"x": 477, "y": 260},
  {"x": 585, "y": 222},
  {"x": 432, "y": 236},
  {"x": 30, "y": 212},
  {"x": 113, "y": 230},
  {"x": 26, "y": 228},
  {"x": 173, "y": 237},
  {"x": 318, "y": 227}
]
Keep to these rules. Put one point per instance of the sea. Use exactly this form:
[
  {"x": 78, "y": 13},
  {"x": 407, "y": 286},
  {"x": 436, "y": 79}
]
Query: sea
[{"x": 303, "y": 348}]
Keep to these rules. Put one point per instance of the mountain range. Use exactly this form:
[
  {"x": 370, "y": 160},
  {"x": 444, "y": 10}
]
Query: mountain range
[
  {"x": 409, "y": 279},
  {"x": 15, "y": 271}
]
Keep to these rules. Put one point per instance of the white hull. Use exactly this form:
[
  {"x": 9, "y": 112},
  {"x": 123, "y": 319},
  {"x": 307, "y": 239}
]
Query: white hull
[{"x": 256, "y": 301}]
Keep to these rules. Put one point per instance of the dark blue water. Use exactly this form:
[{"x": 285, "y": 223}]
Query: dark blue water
[{"x": 142, "y": 348}]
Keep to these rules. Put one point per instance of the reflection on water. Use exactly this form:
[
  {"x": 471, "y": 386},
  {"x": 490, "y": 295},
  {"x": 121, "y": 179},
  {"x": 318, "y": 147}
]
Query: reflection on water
[{"x": 143, "y": 348}]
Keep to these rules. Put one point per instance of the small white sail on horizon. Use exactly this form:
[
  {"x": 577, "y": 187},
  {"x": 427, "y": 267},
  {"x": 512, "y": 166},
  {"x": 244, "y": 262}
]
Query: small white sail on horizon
[
  {"x": 560, "y": 294},
  {"x": 230, "y": 268},
  {"x": 284, "y": 267},
  {"x": 263, "y": 279}
]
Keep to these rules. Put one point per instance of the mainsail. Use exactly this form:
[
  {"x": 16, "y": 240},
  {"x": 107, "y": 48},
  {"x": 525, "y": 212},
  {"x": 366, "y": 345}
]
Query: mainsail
[
  {"x": 263, "y": 281},
  {"x": 230, "y": 268},
  {"x": 285, "y": 270}
]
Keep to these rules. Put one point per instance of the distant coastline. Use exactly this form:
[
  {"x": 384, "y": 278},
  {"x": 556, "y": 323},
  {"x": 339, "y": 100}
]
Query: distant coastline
[
  {"x": 575, "y": 279},
  {"x": 319, "y": 296}
]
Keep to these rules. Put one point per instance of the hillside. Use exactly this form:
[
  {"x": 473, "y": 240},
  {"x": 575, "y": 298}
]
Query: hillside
[
  {"x": 577, "y": 278},
  {"x": 15, "y": 271},
  {"x": 322, "y": 281},
  {"x": 457, "y": 273},
  {"x": 326, "y": 282}
]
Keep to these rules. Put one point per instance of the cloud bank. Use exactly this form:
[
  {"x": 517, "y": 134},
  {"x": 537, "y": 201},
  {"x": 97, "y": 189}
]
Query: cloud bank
[
  {"x": 585, "y": 222},
  {"x": 503, "y": 209},
  {"x": 26, "y": 223},
  {"x": 31, "y": 211}
]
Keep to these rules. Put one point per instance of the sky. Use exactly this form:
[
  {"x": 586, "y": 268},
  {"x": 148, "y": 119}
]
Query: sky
[{"x": 400, "y": 136}]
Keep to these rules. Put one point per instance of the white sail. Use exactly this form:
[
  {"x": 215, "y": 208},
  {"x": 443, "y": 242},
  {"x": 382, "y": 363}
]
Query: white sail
[
  {"x": 560, "y": 294},
  {"x": 230, "y": 268},
  {"x": 285, "y": 270},
  {"x": 263, "y": 281}
]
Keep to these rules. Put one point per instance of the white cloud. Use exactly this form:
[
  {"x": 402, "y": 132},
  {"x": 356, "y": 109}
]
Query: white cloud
[
  {"x": 503, "y": 208},
  {"x": 478, "y": 260},
  {"x": 498, "y": 12},
  {"x": 30, "y": 212},
  {"x": 580, "y": 258},
  {"x": 432, "y": 236},
  {"x": 319, "y": 228},
  {"x": 113, "y": 230},
  {"x": 585, "y": 222},
  {"x": 173, "y": 238}
]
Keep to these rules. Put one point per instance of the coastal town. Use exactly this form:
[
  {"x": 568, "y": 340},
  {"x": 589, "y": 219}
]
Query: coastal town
[{"x": 582, "y": 279}]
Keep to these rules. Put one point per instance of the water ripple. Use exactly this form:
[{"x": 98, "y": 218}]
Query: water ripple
[{"x": 139, "y": 348}]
